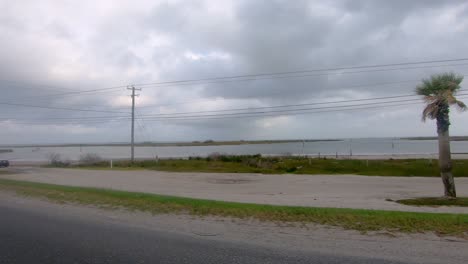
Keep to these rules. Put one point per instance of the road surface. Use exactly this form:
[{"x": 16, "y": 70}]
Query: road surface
[
  {"x": 35, "y": 237},
  {"x": 37, "y": 231}
]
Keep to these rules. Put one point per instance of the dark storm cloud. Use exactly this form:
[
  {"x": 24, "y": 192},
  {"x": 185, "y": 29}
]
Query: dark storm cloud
[{"x": 270, "y": 36}]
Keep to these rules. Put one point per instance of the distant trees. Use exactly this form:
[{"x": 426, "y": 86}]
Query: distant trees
[{"x": 439, "y": 94}]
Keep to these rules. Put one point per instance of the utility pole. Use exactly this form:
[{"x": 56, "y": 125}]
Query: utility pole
[{"x": 133, "y": 120}]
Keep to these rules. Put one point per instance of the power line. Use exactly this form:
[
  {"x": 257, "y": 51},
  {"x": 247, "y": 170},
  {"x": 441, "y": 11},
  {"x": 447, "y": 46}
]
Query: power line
[
  {"x": 285, "y": 106},
  {"x": 294, "y": 105},
  {"x": 285, "y": 114},
  {"x": 298, "y": 76},
  {"x": 352, "y": 86},
  {"x": 247, "y": 115},
  {"x": 293, "y": 110},
  {"x": 93, "y": 91},
  {"x": 239, "y": 109},
  {"x": 316, "y": 70},
  {"x": 262, "y": 114},
  {"x": 282, "y": 110},
  {"x": 60, "y": 108},
  {"x": 183, "y": 114},
  {"x": 66, "y": 94},
  {"x": 279, "y": 92},
  {"x": 92, "y": 110},
  {"x": 243, "y": 115},
  {"x": 274, "y": 75},
  {"x": 255, "y": 115}
]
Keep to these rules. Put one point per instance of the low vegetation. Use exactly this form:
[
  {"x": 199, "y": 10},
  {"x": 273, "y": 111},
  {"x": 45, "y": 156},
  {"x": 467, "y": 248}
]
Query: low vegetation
[
  {"x": 362, "y": 220},
  {"x": 55, "y": 160},
  {"x": 436, "y": 201},
  {"x": 283, "y": 165},
  {"x": 90, "y": 158}
]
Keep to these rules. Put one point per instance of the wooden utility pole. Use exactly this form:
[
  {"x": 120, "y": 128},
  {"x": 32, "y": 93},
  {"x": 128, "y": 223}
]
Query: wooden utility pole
[{"x": 132, "y": 158}]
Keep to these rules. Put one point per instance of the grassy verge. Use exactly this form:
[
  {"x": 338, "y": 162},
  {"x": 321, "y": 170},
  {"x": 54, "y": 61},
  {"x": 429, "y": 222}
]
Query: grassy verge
[
  {"x": 362, "y": 220},
  {"x": 296, "y": 165},
  {"x": 436, "y": 201}
]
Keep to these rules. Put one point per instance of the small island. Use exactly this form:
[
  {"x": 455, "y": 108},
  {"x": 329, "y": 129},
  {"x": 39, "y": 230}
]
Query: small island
[{"x": 5, "y": 150}]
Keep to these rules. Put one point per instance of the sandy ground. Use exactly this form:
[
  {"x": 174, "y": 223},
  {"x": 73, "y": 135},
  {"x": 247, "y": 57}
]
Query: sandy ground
[
  {"x": 415, "y": 248},
  {"x": 343, "y": 191}
]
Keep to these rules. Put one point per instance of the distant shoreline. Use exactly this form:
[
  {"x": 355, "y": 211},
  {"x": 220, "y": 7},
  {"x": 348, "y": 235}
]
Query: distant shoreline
[
  {"x": 453, "y": 138},
  {"x": 210, "y": 143},
  {"x": 5, "y": 150},
  {"x": 174, "y": 144}
]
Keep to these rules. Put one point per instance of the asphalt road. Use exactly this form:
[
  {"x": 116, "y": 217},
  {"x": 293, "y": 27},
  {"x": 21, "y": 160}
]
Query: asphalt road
[{"x": 32, "y": 236}]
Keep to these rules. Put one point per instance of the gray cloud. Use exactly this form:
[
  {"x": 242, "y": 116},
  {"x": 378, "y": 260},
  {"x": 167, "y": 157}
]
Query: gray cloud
[{"x": 58, "y": 47}]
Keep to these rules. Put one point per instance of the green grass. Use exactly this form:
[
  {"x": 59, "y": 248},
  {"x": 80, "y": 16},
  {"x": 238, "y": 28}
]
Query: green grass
[
  {"x": 362, "y": 220},
  {"x": 436, "y": 201},
  {"x": 296, "y": 165}
]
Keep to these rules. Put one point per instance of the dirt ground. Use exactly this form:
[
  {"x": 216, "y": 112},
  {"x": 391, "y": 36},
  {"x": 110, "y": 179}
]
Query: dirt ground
[{"x": 343, "y": 191}]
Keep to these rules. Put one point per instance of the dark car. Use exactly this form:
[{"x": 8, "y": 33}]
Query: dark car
[{"x": 4, "y": 163}]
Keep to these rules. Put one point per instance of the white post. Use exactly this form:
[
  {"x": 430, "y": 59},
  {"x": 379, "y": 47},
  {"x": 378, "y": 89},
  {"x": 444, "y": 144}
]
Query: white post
[{"x": 111, "y": 165}]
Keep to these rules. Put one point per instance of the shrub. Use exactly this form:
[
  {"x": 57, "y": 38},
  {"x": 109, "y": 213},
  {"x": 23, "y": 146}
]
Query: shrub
[
  {"x": 90, "y": 159},
  {"x": 251, "y": 162},
  {"x": 216, "y": 156},
  {"x": 55, "y": 159}
]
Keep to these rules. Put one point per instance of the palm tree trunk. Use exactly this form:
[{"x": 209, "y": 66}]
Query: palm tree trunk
[{"x": 445, "y": 160}]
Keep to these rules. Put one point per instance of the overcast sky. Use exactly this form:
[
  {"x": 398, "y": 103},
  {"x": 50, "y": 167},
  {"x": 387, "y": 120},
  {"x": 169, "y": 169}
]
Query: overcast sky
[{"x": 50, "y": 48}]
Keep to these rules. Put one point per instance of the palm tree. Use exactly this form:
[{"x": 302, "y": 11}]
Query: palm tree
[{"x": 439, "y": 94}]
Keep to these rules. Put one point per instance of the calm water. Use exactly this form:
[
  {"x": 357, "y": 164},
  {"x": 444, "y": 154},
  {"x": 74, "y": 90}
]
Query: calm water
[{"x": 345, "y": 147}]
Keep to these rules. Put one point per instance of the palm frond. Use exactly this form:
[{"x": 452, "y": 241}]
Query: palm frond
[
  {"x": 460, "y": 105},
  {"x": 425, "y": 88},
  {"x": 439, "y": 83},
  {"x": 450, "y": 98},
  {"x": 438, "y": 92},
  {"x": 430, "y": 111},
  {"x": 429, "y": 99}
]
